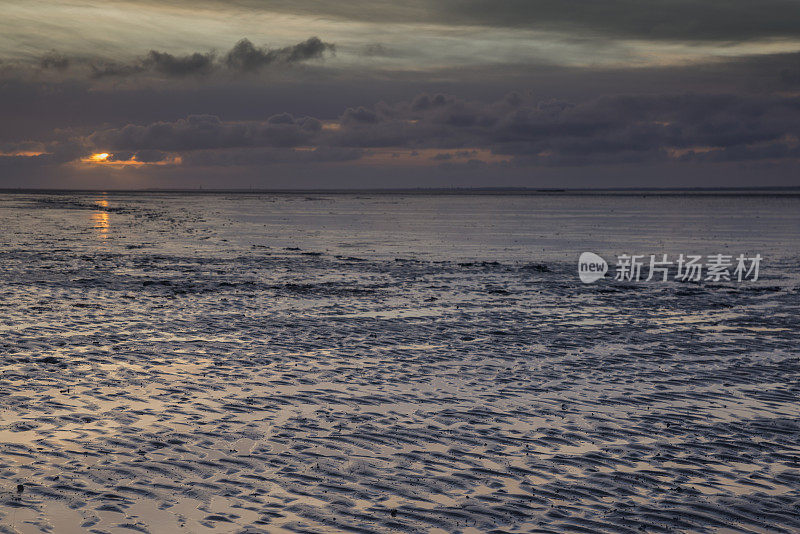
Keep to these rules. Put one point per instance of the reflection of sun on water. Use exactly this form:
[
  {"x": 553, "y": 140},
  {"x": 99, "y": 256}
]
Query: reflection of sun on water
[{"x": 101, "y": 221}]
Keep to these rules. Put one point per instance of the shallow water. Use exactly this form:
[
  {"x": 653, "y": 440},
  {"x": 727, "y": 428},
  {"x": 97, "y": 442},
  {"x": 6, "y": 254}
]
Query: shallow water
[{"x": 384, "y": 363}]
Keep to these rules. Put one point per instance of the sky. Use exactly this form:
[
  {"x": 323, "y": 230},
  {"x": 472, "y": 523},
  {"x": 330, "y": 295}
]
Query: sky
[{"x": 383, "y": 94}]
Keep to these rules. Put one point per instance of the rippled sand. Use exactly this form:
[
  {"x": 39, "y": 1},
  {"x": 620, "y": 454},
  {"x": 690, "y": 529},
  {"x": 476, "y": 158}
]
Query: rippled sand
[{"x": 183, "y": 365}]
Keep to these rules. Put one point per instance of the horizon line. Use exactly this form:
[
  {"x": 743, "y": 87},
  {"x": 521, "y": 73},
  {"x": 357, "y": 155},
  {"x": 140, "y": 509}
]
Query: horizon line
[{"x": 419, "y": 190}]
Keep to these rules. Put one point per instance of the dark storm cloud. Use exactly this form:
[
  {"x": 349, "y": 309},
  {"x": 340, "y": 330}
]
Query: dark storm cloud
[
  {"x": 179, "y": 65},
  {"x": 359, "y": 115},
  {"x": 244, "y": 57},
  {"x": 681, "y": 20},
  {"x": 55, "y": 61}
]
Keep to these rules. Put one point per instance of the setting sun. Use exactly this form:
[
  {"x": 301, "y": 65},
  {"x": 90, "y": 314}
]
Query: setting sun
[{"x": 107, "y": 159}]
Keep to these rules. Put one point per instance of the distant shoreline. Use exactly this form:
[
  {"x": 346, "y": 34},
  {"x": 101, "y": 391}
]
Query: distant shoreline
[{"x": 499, "y": 191}]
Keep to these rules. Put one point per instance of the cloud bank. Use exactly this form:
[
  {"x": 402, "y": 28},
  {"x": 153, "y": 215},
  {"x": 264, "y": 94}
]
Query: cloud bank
[
  {"x": 515, "y": 130},
  {"x": 243, "y": 58}
]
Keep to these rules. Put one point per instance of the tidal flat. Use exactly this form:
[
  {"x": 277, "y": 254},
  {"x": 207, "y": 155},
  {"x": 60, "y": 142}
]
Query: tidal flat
[{"x": 394, "y": 363}]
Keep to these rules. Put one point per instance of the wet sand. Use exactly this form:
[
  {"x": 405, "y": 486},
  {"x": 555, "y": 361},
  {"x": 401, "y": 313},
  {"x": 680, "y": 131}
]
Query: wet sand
[{"x": 189, "y": 365}]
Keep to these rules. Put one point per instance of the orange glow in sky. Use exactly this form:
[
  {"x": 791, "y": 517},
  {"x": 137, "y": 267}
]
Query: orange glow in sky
[
  {"x": 23, "y": 154},
  {"x": 102, "y": 158}
]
